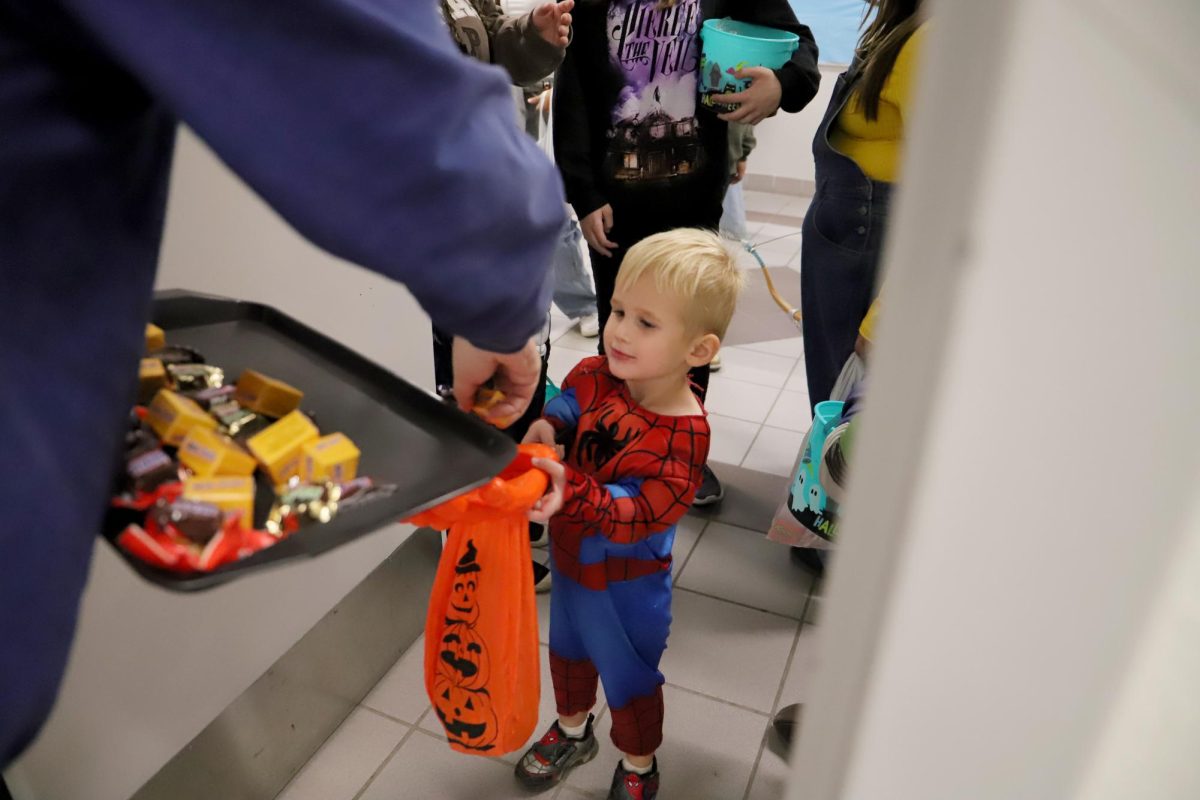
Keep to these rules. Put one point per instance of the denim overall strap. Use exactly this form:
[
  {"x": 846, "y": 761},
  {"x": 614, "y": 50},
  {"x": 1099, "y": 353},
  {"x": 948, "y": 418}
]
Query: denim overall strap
[{"x": 842, "y": 239}]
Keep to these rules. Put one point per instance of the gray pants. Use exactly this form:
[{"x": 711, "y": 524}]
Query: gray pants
[{"x": 573, "y": 291}]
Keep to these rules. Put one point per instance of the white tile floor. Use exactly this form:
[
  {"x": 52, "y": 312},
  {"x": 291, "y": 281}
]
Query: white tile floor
[{"x": 738, "y": 648}]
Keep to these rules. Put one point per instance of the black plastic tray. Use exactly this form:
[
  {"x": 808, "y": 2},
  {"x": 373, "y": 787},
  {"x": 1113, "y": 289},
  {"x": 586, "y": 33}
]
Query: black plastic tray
[{"x": 407, "y": 437}]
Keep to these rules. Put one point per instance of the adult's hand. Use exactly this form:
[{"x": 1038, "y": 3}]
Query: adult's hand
[
  {"x": 553, "y": 22},
  {"x": 758, "y": 101},
  {"x": 514, "y": 375},
  {"x": 596, "y": 226}
]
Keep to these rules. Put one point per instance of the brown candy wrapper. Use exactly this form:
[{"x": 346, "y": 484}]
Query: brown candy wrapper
[
  {"x": 149, "y": 469},
  {"x": 177, "y": 354},
  {"x": 195, "y": 521},
  {"x": 211, "y": 396}
]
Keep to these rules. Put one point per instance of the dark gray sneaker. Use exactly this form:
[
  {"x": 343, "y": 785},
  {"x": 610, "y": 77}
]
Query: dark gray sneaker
[
  {"x": 710, "y": 492},
  {"x": 628, "y": 785},
  {"x": 554, "y": 755}
]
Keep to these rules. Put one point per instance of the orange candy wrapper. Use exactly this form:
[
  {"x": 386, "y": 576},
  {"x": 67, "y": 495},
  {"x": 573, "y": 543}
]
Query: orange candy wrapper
[{"x": 481, "y": 633}]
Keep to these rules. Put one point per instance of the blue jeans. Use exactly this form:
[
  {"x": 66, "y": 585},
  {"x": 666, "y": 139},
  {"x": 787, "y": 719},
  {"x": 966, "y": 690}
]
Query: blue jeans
[
  {"x": 733, "y": 213},
  {"x": 573, "y": 292}
]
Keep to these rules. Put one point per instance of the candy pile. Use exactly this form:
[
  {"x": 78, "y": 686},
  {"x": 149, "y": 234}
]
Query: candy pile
[{"x": 192, "y": 449}]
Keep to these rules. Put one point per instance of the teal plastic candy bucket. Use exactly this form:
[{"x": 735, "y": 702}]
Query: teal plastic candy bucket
[{"x": 729, "y": 45}]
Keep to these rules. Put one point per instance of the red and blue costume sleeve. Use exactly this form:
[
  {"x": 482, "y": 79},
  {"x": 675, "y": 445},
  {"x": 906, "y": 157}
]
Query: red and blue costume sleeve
[{"x": 630, "y": 473}]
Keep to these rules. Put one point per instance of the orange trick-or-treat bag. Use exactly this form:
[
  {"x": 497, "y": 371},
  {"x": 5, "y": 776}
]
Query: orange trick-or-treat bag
[{"x": 481, "y": 634}]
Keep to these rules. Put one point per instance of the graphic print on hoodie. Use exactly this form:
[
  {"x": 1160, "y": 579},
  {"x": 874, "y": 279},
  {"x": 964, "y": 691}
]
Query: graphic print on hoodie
[{"x": 654, "y": 136}]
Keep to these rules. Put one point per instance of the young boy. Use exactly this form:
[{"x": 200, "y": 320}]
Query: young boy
[{"x": 635, "y": 440}]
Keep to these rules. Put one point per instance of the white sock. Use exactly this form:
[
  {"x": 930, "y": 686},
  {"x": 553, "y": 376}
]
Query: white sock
[
  {"x": 637, "y": 770},
  {"x": 575, "y": 732}
]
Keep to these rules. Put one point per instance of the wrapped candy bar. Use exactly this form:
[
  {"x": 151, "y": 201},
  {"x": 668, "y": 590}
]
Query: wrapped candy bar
[
  {"x": 190, "y": 377},
  {"x": 330, "y": 458},
  {"x": 166, "y": 548},
  {"x": 176, "y": 354},
  {"x": 155, "y": 338},
  {"x": 147, "y": 470},
  {"x": 266, "y": 395},
  {"x": 152, "y": 376},
  {"x": 172, "y": 416},
  {"x": 196, "y": 522},
  {"x": 207, "y": 453},
  {"x": 231, "y": 495},
  {"x": 302, "y": 503},
  {"x": 279, "y": 447},
  {"x": 211, "y": 396}
]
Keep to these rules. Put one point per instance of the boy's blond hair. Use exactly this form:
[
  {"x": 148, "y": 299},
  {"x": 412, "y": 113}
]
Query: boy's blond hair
[{"x": 692, "y": 263}]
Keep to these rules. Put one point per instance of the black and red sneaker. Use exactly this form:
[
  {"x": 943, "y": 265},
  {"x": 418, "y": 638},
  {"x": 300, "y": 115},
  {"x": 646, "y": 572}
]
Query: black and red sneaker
[
  {"x": 554, "y": 755},
  {"x": 628, "y": 785}
]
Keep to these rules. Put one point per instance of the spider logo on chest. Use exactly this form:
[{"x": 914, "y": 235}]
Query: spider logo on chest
[{"x": 603, "y": 441}]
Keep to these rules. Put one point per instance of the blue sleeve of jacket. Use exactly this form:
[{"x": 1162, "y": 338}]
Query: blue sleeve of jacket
[{"x": 363, "y": 125}]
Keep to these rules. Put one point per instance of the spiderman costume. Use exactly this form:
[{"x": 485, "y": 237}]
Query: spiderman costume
[{"x": 631, "y": 475}]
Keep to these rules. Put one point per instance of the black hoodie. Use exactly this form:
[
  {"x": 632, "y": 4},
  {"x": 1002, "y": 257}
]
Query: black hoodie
[{"x": 628, "y": 127}]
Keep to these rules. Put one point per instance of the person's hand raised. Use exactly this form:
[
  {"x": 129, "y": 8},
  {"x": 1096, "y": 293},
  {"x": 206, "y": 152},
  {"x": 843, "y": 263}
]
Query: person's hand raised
[{"x": 553, "y": 22}]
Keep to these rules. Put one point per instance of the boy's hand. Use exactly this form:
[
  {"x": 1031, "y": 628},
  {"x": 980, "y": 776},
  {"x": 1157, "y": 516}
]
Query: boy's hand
[
  {"x": 540, "y": 432},
  {"x": 553, "y": 22},
  {"x": 596, "y": 226},
  {"x": 552, "y": 501},
  {"x": 759, "y": 100}
]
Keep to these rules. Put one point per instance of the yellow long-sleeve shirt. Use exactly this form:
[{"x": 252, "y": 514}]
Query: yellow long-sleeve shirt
[{"x": 877, "y": 146}]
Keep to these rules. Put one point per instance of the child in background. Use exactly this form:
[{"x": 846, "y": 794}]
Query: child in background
[{"x": 635, "y": 440}]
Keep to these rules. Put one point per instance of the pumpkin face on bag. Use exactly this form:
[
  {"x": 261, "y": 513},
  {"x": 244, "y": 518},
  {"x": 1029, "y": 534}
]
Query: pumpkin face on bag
[
  {"x": 467, "y": 716},
  {"x": 464, "y": 653},
  {"x": 464, "y": 596}
]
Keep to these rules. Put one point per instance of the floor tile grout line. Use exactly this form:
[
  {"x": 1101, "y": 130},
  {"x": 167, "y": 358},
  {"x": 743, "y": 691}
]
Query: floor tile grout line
[
  {"x": 779, "y": 396},
  {"x": 787, "y": 671},
  {"x": 379, "y": 770},
  {"x": 787, "y": 668},
  {"x": 753, "y": 442},
  {"x": 688, "y": 557},
  {"x": 390, "y": 717},
  {"x": 788, "y": 617},
  {"x": 762, "y": 745},
  {"x": 723, "y": 701}
]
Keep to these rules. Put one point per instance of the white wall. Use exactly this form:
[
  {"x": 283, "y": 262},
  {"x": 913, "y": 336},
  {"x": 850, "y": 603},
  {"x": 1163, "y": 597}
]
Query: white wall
[
  {"x": 223, "y": 239},
  {"x": 785, "y": 141},
  {"x": 1013, "y": 609}
]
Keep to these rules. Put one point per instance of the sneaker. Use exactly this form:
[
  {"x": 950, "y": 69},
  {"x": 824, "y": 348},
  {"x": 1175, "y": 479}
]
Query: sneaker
[
  {"x": 589, "y": 326},
  {"x": 541, "y": 578},
  {"x": 715, "y": 364},
  {"x": 554, "y": 755},
  {"x": 628, "y": 785},
  {"x": 711, "y": 491}
]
